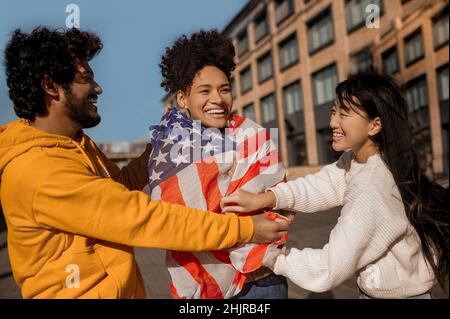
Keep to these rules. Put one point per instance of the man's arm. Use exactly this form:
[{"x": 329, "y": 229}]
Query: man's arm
[
  {"x": 72, "y": 200},
  {"x": 135, "y": 175}
]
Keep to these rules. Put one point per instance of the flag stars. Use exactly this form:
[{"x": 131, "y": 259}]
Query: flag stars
[
  {"x": 164, "y": 122},
  {"x": 160, "y": 158},
  {"x": 155, "y": 176}
]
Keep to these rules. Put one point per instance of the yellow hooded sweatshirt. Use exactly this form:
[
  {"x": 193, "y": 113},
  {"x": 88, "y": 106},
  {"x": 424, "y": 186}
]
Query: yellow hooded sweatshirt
[{"x": 73, "y": 217}]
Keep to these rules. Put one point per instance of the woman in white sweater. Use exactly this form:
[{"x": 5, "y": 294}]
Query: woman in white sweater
[{"x": 393, "y": 228}]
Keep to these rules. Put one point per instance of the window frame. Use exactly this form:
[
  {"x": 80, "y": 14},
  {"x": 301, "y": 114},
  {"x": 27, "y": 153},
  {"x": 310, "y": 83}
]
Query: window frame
[
  {"x": 267, "y": 54},
  {"x": 244, "y": 70},
  {"x": 318, "y": 17},
  {"x": 282, "y": 44},
  {"x": 409, "y": 37},
  {"x": 329, "y": 66}
]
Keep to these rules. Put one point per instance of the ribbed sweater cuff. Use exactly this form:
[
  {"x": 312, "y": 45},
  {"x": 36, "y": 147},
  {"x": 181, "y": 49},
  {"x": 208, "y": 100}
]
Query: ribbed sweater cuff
[{"x": 284, "y": 197}]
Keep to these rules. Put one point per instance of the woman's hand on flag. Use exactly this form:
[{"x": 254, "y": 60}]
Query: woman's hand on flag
[{"x": 242, "y": 201}]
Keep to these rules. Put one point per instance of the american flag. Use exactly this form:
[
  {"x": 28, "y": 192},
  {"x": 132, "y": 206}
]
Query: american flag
[{"x": 190, "y": 165}]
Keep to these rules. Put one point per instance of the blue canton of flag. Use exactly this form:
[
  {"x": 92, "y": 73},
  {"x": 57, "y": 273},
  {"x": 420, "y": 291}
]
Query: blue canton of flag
[{"x": 178, "y": 141}]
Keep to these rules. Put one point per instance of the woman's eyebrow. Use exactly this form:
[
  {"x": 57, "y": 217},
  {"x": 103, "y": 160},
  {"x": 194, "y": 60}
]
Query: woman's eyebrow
[
  {"x": 207, "y": 86},
  {"x": 201, "y": 86}
]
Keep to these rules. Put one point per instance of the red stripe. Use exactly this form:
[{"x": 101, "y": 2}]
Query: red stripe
[
  {"x": 254, "y": 258},
  {"x": 252, "y": 144},
  {"x": 240, "y": 279},
  {"x": 238, "y": 120},
  {"x": 256, "y": 255},
  {"x": 270, "y": 158},
  {"x": 174, "y": 292},
  {"x": 208, "y": 286},
  {"x": 254, "y": 170},
  {"x": 275, "y": 216},
  {"x": 222, "y": 255},
  {"x": 208, "y": 173},
  {"x": 170, "y": 191}
]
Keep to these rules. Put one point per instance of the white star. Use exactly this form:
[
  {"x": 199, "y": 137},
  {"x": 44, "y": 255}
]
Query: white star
[
  {"x": 155, "y": 176},
  {"x": 168, "y": 139},
  {"x": 208, "y": 148},
  {"x": 151, "y": 133},
  {"x": 181, "y": 159},
  {"x": 164, "y": 122},
  {"x": 176, "y": 125},
  {"x": 160, "y": 158},
  {"x": 185, "y": 143}
]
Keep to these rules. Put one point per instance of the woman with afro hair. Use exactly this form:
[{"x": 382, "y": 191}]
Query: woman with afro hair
[{"x": 197, "y": 70}]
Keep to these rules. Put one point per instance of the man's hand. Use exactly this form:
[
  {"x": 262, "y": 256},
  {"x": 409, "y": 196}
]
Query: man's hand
[{"x": 266, "y": 230}]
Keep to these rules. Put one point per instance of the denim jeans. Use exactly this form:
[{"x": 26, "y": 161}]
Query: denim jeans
[{"x": 270, "y": 287}]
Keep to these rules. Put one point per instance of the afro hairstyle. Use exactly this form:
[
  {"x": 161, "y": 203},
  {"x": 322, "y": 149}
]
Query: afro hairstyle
[{"x": 187, "y": 56}]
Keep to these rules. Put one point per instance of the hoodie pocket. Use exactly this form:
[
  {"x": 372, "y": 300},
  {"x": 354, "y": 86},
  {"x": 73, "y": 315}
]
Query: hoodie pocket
[{"x": 89, "y": 275}]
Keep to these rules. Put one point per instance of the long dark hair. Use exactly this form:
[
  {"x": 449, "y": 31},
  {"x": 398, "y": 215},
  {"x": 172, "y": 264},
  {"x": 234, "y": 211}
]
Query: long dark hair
[{"x": 425, "y": 201}]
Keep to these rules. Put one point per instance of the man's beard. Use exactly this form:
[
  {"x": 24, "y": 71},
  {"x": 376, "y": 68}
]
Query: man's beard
[{"x": 80, "y": 111}]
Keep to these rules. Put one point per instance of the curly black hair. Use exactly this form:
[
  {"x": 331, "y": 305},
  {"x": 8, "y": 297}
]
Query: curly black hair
[
  {"x": 28, "y": 57},
  {"x": 187, "y": 56}
]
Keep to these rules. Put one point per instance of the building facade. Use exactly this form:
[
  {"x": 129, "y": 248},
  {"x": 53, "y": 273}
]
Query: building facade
[{"x": 290, "y": 55}]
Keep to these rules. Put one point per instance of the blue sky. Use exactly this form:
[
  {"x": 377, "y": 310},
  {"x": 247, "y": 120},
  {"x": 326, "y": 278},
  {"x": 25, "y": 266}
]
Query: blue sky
[{"x": 135, "y": 34}]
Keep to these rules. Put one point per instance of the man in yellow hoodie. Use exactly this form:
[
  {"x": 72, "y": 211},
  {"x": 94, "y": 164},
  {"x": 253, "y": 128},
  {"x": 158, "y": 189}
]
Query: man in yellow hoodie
[{"x": 72, "y": 215}]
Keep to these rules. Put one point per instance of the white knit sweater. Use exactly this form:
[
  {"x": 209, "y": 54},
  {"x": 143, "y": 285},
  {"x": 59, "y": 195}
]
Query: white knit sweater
[{"x": 372, "y": 238}]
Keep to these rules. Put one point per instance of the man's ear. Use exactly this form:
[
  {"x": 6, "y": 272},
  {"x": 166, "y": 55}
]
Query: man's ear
[
  {"x": 181, "y": 100},
  {"x": 49, "y": 86},
  {"x": 375, "y": 126}
]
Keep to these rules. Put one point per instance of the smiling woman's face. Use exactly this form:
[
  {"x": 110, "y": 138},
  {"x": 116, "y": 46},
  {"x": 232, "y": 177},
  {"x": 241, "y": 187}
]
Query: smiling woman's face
[{"x": 209, "y": 98}]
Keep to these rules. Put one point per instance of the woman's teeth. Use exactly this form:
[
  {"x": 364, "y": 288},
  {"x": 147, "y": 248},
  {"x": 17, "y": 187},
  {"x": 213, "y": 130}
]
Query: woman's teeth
[
  {"x": 336, "y": 134},
  {"x": 216, "y": 111}
]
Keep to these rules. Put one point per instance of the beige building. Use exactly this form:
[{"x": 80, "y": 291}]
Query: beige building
[{"x": 292, "y": 53}]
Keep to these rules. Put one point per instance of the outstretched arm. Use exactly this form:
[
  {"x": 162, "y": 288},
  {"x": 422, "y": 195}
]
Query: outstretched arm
[
  {"x": 312, "y": 193},
  {"x": 73, "y": 200}
]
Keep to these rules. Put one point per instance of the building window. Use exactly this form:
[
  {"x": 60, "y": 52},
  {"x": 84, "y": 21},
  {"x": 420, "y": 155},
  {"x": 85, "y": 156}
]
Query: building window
[
  {"x": 283, "y": 9},
  {"x": 249, "y": 111},
  {"x": 261, "y": 25},
  {"x": 390, "y": 61},
  {"x": 414, "y": 47},
  {"x": 233, "y": 88},
  {"x": 320, "y": 31},
  {"x": 361, "y": 61},
  {"x": 246, "y": 80},
  {"x": 355, "y": 12},
  {"x": 443, "y": 84},
  {"x": 293, "y": 98},
  {"x": 268, "y": 108},
  {"x": 416, "y": 94},
  {"x": 242, "y": 42},
  {"x": 440, "y": 28},
  {"x": 288, "y": 51},
  {"x": 265, "y": 67},
  {"x": 324, "y": 84},
  {"x": 297, "y": 154}
]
